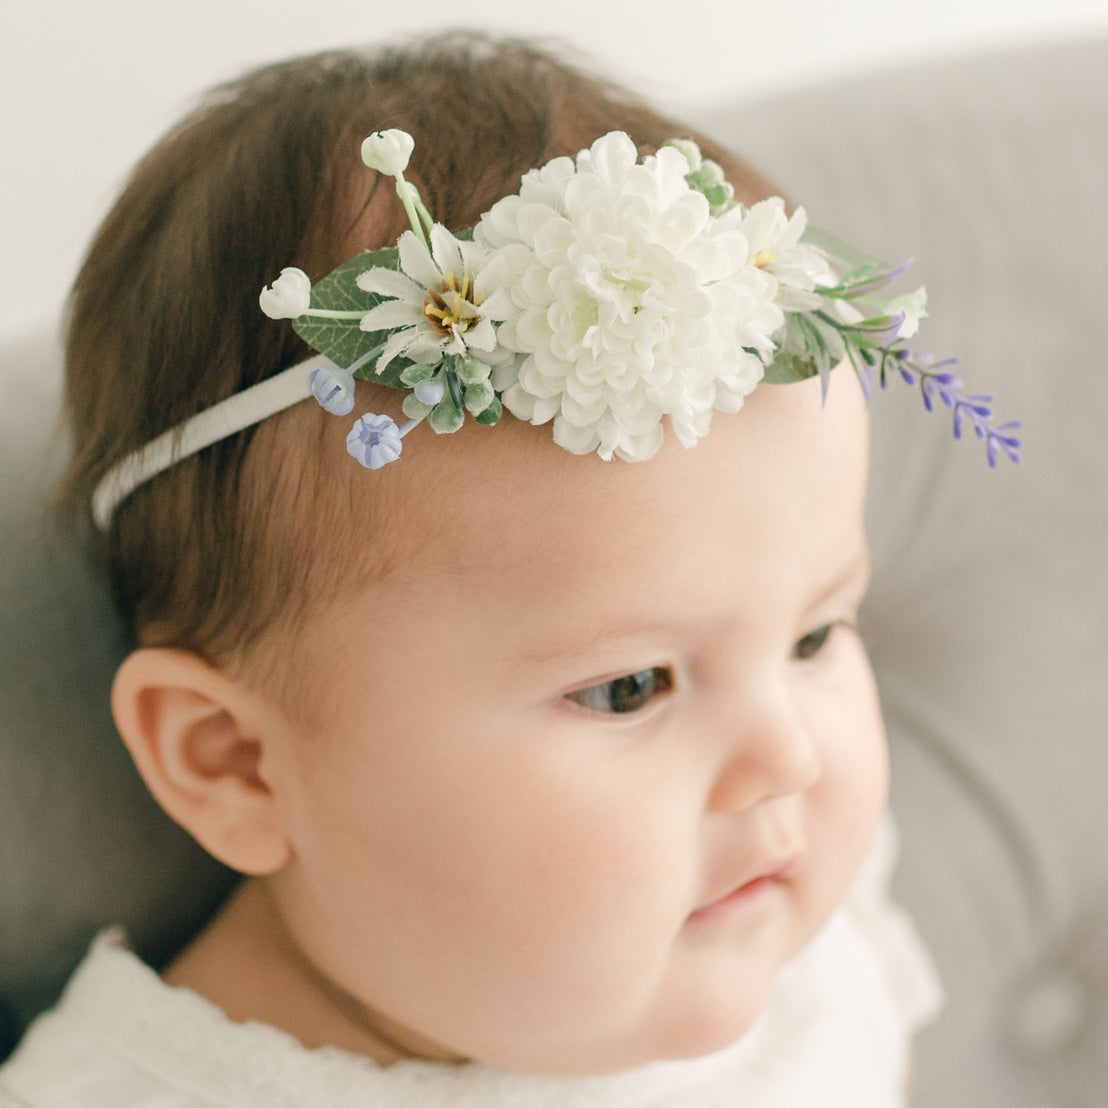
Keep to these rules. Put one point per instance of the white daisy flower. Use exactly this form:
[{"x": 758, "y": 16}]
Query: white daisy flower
[
  {"x": 775, "y": 246},
  {"x": 434, "y": 308}
]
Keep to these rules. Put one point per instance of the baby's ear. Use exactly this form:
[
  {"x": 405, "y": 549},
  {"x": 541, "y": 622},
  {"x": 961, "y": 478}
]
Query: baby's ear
[{"x": 199, "y": 740}]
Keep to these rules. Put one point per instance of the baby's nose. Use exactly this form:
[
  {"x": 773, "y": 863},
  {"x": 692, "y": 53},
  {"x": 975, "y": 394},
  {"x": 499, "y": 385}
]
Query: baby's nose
[{"x": 772, "y": 754}]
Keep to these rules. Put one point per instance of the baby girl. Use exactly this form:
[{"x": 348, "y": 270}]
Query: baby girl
[{"x": 544, "y": 738}]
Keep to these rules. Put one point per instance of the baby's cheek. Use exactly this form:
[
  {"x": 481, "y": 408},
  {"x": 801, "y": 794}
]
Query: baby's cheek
[
  {"x": 858, "y": 757},
  {"x": 856, "y": 798}
]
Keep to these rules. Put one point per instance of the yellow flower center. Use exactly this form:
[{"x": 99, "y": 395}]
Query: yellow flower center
[
  {"x": 450, "y": 307},
  {"x": 764, "y": 258}
]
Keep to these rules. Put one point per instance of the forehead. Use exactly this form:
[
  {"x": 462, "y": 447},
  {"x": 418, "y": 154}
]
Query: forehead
[{"x": 779, "y": 484}]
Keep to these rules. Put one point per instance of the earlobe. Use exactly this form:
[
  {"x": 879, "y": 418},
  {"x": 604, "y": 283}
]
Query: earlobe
[{"x": 199, "y": 741}]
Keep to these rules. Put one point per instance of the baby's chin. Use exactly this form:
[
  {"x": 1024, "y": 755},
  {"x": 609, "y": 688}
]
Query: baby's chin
[
  {"x": 699, "y": 1039},
  {"x": 713, "y": 1029},
  {"x": 683, "y": 1033}
]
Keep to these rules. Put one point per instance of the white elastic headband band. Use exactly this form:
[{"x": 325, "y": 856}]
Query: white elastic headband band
[{"x": 222, "y": 420}]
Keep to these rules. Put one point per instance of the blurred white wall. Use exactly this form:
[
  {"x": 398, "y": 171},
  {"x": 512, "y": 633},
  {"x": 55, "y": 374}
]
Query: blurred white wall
[{"x": 87, "y": 85}]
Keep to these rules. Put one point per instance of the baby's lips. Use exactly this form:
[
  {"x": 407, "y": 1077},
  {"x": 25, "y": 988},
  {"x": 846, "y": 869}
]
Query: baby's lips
[{"x": 780, "y": 867}]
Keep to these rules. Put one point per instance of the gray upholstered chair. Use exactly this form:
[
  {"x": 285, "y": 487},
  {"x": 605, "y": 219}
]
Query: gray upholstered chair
[
  {"x": 80, "y": 840},
  {"x": 988, "y": 617},
  {"x": 989, "y": 613}
]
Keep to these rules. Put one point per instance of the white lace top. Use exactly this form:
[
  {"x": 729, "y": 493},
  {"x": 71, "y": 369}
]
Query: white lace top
[{"x": 835, "y": 1031}]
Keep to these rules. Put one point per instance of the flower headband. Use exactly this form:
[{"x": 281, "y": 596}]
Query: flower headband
[{"x": 606, "y": 295}]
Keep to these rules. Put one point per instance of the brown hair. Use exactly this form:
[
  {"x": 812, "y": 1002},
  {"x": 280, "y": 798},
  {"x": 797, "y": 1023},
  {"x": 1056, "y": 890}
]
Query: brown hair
[{"x": 164, "y": 318}]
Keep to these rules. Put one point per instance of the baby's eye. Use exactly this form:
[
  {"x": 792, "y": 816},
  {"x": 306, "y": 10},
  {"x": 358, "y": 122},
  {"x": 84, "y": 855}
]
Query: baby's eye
[
  {"x": 812, "y": 643},
  {"x": 625, "y": 694}
]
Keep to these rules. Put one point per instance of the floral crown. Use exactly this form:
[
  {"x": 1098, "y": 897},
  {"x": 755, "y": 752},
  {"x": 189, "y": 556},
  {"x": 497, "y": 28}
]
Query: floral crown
[{"x": 607, "y": 294}]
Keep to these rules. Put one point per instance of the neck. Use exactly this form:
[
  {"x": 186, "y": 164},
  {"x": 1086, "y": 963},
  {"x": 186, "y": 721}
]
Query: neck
[{"x": 249, "y": 965}]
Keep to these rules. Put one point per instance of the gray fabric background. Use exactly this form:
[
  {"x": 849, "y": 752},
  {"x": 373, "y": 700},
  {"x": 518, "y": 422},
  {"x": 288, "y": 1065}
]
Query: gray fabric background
[{"x": 989, "y": 613}]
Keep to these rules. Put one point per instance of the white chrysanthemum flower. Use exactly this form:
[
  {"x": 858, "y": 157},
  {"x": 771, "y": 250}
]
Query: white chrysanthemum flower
[
  {"x": 775, "y": 246},
  {"x": 434, "y": 308},
  {"x": 626, "y": 300}
]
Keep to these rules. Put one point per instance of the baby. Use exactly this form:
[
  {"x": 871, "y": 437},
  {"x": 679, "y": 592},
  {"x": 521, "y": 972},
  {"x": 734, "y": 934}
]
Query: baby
[{"x": 549, "y": 749}]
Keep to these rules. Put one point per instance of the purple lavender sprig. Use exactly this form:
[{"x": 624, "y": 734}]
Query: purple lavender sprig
[
  {"x": 817, "y": 339},
  {"x": 874, "y": 348},
  {"x": 936, "y": 380}
]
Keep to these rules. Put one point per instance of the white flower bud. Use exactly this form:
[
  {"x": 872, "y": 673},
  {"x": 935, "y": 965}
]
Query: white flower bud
[
  {"x": 690, "y": 150},
  {"x": 914, "y": 307},
  {"x": 289, "y": 296},
  {"x": 388, "y": 151}
]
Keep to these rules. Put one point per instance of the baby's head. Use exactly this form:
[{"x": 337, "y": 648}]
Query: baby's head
[
  {"x": 535, "y": 758},
  {"x": 164, "y": 318}
]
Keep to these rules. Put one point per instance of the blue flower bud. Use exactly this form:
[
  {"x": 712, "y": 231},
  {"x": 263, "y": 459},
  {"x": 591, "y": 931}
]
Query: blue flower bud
[
  {"x": 429, "y": 392},
  {"x": 334, "y": 389},
  {"x": 374, "y": 441}
]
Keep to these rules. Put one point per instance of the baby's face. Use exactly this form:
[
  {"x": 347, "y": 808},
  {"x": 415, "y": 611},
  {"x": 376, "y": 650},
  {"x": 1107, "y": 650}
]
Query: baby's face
[{"x": 605, "y": 753}]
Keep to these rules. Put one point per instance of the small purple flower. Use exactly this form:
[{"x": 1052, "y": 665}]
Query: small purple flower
[
  {"x": 374, "y": 441},
  {"x": 334, "y": 389},
  {"x": 934, "y": 379},
  {"x": 1001, "y": 438}
]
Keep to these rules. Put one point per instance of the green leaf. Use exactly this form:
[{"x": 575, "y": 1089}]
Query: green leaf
[
  {"x": 827, "y": 332},
  {"x": 844, "y": 251},
  {"x": 414, "y": 408},
  {"x": 873, "y": 332},
  {"x": 479, "y": 396},
  {"x": 798, "y": 357},
  {"x": 343, "y": 340},
  {"x": 789, "y": 369},
  {"x": 718, "y": 196},
  {"x": 445, "y": 418},
  {"x": 417, "y": 373},
  {"x": 863, "y": 275},
  {"x": 471, "y": 371},
  {"x": 492, "y": 413}
]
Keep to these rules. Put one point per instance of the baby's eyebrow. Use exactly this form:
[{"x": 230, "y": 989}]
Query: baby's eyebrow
[
  {"x": 619, "y": 627},
  {"x": 556, "y": 645},
  {"x": 858, "y": 568}
]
